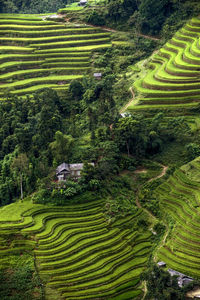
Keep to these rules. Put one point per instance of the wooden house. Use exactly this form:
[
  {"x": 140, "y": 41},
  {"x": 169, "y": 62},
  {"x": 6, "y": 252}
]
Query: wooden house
[
  {"x": 72, "y": 171},
  {"x": 82, "y": 2},
  {"x": 97, "y": 76}
]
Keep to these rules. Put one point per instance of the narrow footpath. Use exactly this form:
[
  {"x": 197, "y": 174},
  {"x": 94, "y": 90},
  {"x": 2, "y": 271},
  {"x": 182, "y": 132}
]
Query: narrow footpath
[
  {"x": 132, "y": 99},
  {"x": 164, "y": 170},
  {"x": 149, "y": 37}
]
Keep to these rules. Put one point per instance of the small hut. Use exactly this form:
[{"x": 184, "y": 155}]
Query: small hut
[
  {"x": 82, "y": 2},
  {"x": 161, "y": 264},
  {"x": 97, "y": 76}
]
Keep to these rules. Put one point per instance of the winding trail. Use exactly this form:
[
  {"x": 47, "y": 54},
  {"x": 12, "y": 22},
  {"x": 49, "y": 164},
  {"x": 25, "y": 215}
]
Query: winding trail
[
  {"x": 132, "y": 99},
  {"x": 145, "y": 290},
  {"x": 162, "y": 243},
  {"x": 149, "y": 37},
  {"x": 164, "y": 170}
]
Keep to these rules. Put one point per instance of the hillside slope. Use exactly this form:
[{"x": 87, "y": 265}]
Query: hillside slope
[
  {"x": 171, "y": 77},
  {"x": 36, "y": 53},
  {"x": 77, "y": 252},
  {"x": 179, "y": 200}
]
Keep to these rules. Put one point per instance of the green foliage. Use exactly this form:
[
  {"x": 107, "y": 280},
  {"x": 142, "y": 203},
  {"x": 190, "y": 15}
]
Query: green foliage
[
  {"x": 61, "y": 148},
  {"x": 159, "y": 229},
  {"x": 153, "y": 13},
  {"x": 33, "y": 6},
  {"x": 96, "y": 19},
  {"x": 58, "y": 193},
  {"x": 193, "y": 150},
  {"x": 19, "y": 281},
  {"x": 121, "y": 10},
  {"x": 161, "y": 285}
]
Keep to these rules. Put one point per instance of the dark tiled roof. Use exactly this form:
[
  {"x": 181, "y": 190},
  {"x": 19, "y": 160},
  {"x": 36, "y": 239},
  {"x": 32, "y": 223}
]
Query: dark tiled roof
[{"x": 62, "y": 167}]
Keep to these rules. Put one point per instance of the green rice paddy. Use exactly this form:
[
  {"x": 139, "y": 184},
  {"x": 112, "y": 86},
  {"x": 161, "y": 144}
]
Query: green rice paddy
[
  {"x": 36, "y": 53},
  {"x": 78, "y": 254},
  {"x": 179, "y": 198},
  {"x": 172, "y": 76}
]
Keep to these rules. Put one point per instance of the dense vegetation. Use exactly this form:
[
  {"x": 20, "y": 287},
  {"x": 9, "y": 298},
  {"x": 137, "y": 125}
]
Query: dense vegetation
[
  {"x": 161, "y": 285},
  {"x": 33, "y": 6}
]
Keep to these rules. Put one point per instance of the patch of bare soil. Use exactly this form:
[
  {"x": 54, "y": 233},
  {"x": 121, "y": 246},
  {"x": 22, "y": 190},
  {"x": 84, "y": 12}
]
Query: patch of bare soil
[
  {"x": 139, "y": 171},
  {"x": 193, "y": 293}
]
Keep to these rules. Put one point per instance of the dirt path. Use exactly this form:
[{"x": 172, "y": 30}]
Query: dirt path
[
  {"x": 193, "y": 293},
  {"x": 132, "y": 99},
  {"x": 145, "y": 290},
  {"x": 164, "y": 170},
  {"x": 162, "y": 243},
  {"x": 148, "y": 37}
]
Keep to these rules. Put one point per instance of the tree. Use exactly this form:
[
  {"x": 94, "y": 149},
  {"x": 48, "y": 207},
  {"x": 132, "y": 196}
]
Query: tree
[
  {"x": 153, "y": 13},
  {"x": 193, "y": 150},
  {"x": 121, "y": 9},
  {"x": 61, "y": 148},
  {"x": 161, "y": 285},
  {"x": 127, "y": 129},
  {"x": 76, "y": 89},
  {"x": 20, "y": 165}
]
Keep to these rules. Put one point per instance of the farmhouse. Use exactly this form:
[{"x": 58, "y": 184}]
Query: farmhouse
[
  {"x": 97, "y": 75},
  {"x": 161, "y": 264},
  {"x": 182, "y": 278},
  {"x": 65, "y": 171},
  {"x": 82, "y": 2}
]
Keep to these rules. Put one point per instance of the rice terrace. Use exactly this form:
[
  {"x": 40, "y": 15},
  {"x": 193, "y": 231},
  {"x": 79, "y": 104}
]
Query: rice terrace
[{"x": 99, "y": 150}]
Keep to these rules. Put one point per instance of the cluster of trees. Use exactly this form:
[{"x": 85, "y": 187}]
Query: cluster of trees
[
  {"x": 33, "y": 6},
  {"x": 19, "y": 280},
  {"x": 162, "y": 286},
  {"x": 82, "y": 125},
  {"x": 147, "y": 16}
]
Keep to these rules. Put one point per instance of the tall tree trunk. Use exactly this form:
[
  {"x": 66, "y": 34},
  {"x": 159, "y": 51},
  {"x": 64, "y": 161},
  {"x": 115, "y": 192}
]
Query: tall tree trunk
[{"x": 21, "y": 186}]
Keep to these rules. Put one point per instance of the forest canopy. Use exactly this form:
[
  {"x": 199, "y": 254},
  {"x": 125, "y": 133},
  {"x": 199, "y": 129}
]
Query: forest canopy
[{"x": 33, "y": 6}]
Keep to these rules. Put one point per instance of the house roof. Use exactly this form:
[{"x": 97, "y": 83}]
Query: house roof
[
  {"x": 182, "y": 278},
  {"x": 76, "y": 167},
  {"x": 70, "y": 167},
  {"x": 161, "y": 264},
  {"x": 97, "y": 74},
  {"x": 62, "y": 167}
]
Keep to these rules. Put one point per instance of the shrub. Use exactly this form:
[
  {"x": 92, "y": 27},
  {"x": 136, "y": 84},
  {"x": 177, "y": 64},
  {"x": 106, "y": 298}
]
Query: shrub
[
  {"x": 96, "y": 19},
  {"x": 193, "y": 150}
]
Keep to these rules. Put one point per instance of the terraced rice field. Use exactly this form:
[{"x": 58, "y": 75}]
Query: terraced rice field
[
  {"x": 36, "y": 53},
  {"x": 172, "y": 79},
  {"x": 78, "y": 254},
  {"x": 180, "y": 199}
]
